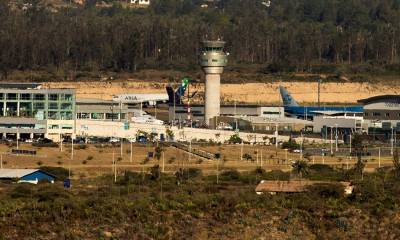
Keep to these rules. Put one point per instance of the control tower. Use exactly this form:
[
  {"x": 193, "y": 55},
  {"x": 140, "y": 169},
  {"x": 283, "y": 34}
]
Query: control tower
[{"x": 213, "y": 59}]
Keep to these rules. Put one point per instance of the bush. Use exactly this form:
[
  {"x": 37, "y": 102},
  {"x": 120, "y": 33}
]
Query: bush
[
  {"x": 231, "y": 174},
  {"x": 327, "y": 190},
  {"x": 235, "y": 139},
  {"x": 84, "y": 162},
  {"x": 49, "y": 145},
  {"x": 39, "y": 163},
  {"x": 291, "y": 145},
  {"x": 23, "y": 190},
  {"x": 89, "y": 158},
  {"x": 58, "y": 172},
  {"x": 80, "y": 146},
  {"x": 171, "y": 160}
]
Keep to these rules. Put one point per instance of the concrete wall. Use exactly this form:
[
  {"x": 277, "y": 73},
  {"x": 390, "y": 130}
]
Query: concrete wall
[{"x": 116, "y": 129}]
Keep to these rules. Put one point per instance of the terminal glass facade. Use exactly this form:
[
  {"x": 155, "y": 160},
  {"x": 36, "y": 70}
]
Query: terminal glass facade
[{"x": 53, "y": 104}]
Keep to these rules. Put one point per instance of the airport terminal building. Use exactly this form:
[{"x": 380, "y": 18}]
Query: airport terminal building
[
  {"x": 382, "y": 112},
  {"x": 27, "y": 111}
]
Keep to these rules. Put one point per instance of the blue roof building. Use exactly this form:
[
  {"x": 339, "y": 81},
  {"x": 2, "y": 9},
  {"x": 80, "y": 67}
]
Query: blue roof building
[{"x": 26, "y": 175}]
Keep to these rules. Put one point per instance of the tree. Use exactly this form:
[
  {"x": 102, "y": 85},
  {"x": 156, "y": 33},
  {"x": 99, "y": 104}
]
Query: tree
[
  {"x": 235, "y": 139},
  {"x": 300, "y": 167}
]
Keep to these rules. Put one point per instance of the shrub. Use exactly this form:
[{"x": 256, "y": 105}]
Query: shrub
[
  {"x": 22, "y": 191},
  {"x": 260, "y": 171},
  {"x": 39, "y": 163},
  {"x": 89, "y": 158},
  {"x": 59, "y": 162},
  {"x": 146, "y": 160},
  {"x": 84, "y": 162},
  {"x": 327, "y": 190},
  {"x": 155, "y": 172},
  {"x": 48, "y": 145},
  {"x": 291, "y": 145},
  {"x": 81, "y": 147},
  {"x": 58, "y": 172},
  {"x": 231, "y": 174},
  {"x": 235, "y": 139},
  {"x": 171, "y": 160}
]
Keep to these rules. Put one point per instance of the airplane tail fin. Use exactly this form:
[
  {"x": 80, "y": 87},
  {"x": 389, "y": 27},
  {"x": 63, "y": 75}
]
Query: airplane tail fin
[
  {"x": 179, "y": 93},
  {"x": 287, "y": 99}
]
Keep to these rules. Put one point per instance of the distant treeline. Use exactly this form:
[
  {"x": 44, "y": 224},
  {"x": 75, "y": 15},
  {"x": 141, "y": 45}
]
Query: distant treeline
[{"x": 290, "y": 35}]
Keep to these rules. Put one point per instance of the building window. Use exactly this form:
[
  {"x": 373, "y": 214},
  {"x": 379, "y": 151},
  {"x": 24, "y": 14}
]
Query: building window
[
  {"x": 112, "y": 116},
  {"x": 366, "y": 114},
  {"x": 66, "y": 126},
  {"x": 53, "y": 97},
  {"x": 11, "y": 96},
  {"x": 66, "y": 115},
  {"x": 52, "y": 115},
  {"x": 1, "y": 96},
  {"x": 97, "y": 115},
  {"x": 53, "y": 126},
  {"x": 38, "y": 105},
  {"x": 376, "y": 114},
  {"x": 83, "y": 115},
  {"x": 66, "y": 106},
  {"x": 53, "y": 105},
  {"x": 39, "y": 97},
  {"x": 66, "y": 97},
  {"x": 387, "y": 114},
  {"x": 25, "y": 96}
]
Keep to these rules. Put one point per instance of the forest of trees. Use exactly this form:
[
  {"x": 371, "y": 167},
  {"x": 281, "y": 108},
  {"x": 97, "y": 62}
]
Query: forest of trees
[{"x": 290, "y": 35}]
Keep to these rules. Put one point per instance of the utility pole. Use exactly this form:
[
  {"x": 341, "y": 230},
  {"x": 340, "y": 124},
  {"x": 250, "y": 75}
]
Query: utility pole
[
  {"x": 17, "y": 136},
  {"x": 61, "y": 143},
  {"x": 350, "y": 143},
  {"x": 331, "y": 140},
  {"x": 72, "y": 157},
  {"x": 163, "y": 162},
  {"x": 391, "y": 143},
  {"x": 115, "y": 165},
  {"x": 336, "y": 138},
  {"x": 241, "y": 151},
  {"x": 379, "y": 157},
  {"x": 131, "y": 157}
]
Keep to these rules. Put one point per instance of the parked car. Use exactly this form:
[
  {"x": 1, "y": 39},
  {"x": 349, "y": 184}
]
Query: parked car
[{"x": 114, "y": 140}]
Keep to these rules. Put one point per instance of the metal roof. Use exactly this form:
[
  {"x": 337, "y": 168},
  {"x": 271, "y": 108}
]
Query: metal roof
[
  {"x": 16, "y": 173},
  {"x": 20, "y": 85},
  {"x": 379, "y": 98}
]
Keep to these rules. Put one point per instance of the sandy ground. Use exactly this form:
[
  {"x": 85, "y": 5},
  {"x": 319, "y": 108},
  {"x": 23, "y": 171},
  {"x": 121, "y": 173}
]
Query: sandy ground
[{"x": 262, "y": 93}]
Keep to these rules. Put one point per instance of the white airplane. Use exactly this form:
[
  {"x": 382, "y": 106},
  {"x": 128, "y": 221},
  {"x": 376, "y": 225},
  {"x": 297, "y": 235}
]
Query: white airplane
[
  {"x": 145, "y": 98},
  {"x": 153, "y": 98},
  {"x": 140, "y": 116}
]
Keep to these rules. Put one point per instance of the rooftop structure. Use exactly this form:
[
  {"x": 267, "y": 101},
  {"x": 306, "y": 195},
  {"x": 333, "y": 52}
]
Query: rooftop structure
[
  {"x": 26, "y": 175},
  {"x": 295, "y": 186}
]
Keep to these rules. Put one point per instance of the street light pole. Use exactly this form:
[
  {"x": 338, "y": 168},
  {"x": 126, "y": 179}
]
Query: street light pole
[
  {"x": 391, "y": 143},
  {"x": 131, "y": 152},
  {"x": 331, "y": 140},
  {"x": 336, "y": 138}
]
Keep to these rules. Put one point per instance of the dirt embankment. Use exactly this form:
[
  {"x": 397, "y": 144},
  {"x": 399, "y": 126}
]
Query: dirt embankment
[{"x": 262, "y": 93}]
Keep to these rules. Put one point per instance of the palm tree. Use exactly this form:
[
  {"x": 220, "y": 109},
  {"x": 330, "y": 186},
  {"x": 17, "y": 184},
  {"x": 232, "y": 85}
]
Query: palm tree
[{"x": 300, "y": 167}]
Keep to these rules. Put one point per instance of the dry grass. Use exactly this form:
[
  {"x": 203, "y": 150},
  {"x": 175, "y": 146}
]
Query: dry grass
[{"x": 94, "y": 161}]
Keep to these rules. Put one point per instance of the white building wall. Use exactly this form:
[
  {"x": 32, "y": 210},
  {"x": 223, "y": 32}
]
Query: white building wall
[{"x": 116, "y": 129}]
